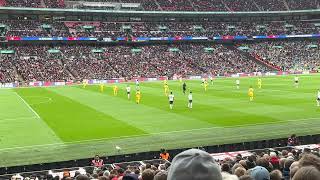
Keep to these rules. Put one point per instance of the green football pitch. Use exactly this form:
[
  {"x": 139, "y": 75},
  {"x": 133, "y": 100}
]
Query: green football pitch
[{"x": 63, "y": 123}]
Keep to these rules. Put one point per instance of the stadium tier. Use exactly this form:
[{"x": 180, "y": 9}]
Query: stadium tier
[
  {"x": 173, "y": 5},
  {"x": 77, "y": 62},
  {"x": 161, "y": 29}
]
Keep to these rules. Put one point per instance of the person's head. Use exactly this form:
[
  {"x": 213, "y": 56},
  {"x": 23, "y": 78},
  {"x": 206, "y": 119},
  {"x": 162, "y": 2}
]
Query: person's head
[
  {"x": 96, "y": 157},
  {"x": 293, "y": 171},
  {"x": 171, "y": 92},
  {"x": 162, "y": 175},
  {"x": 240, "y": 171},
  {"x": 225, "y": 167},
  {"x": 287, "y": 163},
  {"x": 263, "y": 162},
  {"x": 246, "y": 177},
  {"x": 148, "y": 166},
  {"x": 147, "y": 174},
  {"x": 259, "y": 173},
  {"x": 276, "y": 175},
  {"x": 82, "y": 177},
  {"x": 273, "y": 154},
  {"x": 120, "y": 171},
  {"x": 194, "y": 164},
  {"x": 293, "y": 135},
  {"x": 227, "y": 176},
  {"x": 310, "y": 160},
  {"x": 307, "y": 173},
  {"x": 243, "y": 163},
  {"x": 235, "y": 166},
  {"x": 190, "y": 92}
]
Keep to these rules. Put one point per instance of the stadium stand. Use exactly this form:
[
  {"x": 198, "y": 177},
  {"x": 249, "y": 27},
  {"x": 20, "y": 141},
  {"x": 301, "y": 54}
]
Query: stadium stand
[
  {"x": 178, "y": 5},
  {"x": 304, "y": 55},
  {"x": 284, "y": 162},
  {"x": 148, "y": 29},
  {"x": 60, "y": 63},
  {"x": 72, "y": 62}
]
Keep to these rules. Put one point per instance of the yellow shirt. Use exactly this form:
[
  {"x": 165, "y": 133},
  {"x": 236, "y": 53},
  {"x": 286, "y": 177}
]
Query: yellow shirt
[
  {"x": 259, "y": 81},
  {"x": 138, "y": 95},
  {"x": 250, "y": 92}
]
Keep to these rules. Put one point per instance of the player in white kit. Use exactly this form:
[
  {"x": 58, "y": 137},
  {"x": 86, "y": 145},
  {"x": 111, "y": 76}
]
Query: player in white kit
[
  {"x": 128, "y": 88},
  {"x": 318, "y": 98},
  {"x": 238, "y": 83},
  {"x": 190, "y": 100},
  {"x": 137, "y": 85},
  {"x": 171, "y": 100}
]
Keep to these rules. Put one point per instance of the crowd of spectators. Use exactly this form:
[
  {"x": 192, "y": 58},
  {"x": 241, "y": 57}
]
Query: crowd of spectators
[
  {"x": 106, "y": 62},
  {"x": 36, "y": 63},
  {"x": 35, "y": 28},
  {"x": 7, "y": 69},
  {"x": 155, "y": 29},
  {"x": 290, "y": 55},
  {"x": 65, "y": 62},
  {"x": 192, "y": 5},
  {"x": 195, "y": 164}
]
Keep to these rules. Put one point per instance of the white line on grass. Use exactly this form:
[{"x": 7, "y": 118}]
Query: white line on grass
[
  {"x": 33, "y": 111},
  {"x": 160, "y": 133},
  {"x": 17, "y": 118},
  {"x": 39, "y": 118}
]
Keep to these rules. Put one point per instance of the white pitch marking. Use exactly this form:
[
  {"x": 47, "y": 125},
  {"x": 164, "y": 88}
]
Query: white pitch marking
[{"x": 34, "y": 112}]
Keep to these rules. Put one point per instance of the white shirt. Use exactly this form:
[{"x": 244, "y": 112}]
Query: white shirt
[
  {"x": 190, "y": 96},
  {"x": 128, "y": 89},
  {"x": 237, "y": 81},
  {"x": 137, "y": 82},
  {"x": 171, "y": 97},
  {"x": 296, "y": 79}
]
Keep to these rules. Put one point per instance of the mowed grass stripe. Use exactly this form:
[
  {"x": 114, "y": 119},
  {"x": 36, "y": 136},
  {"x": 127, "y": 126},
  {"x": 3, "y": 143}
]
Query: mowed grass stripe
[
  {"x": 152, "y": 120},
  {"x": 205, "y": 109},
  {"x": 73, "y": 121},
  {"x": 19, "y": 126}
]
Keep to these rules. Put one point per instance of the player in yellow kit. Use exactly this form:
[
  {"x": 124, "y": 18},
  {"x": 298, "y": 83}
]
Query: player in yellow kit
[
  {"x": 138, "y": 97},
  {"x": 259, "y": 83},
  {"x": 205, "y": 85},
  {"x": 166, "y": 89},
  {"x": 101, "y": 87},
  {"x": 84, "y": 83},
  {"x": 115, "y": 90},
  {"x": 165, "y": 82},
  {"x": 251, "y": 93}
]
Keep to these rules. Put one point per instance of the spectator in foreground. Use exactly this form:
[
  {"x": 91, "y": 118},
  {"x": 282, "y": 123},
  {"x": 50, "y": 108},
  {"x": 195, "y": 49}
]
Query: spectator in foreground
[
  {"x": 97, "y": 162},
  {"x": 293, "y": 140},
  {"x": 164, "y": 154},
  {"x": 259, "y": 173},
  {"x": 194, "y": 164},
  {"x": 307, "y": 173},
  {"x": 147, "y": 174}
]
